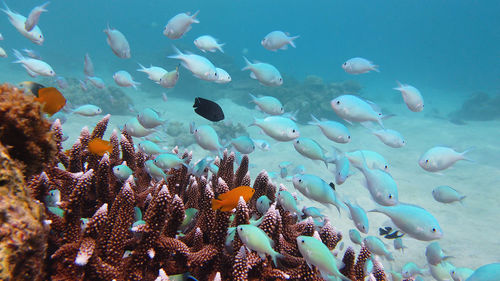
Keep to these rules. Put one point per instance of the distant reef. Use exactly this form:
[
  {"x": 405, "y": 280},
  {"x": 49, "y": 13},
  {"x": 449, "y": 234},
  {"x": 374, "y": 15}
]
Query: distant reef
[{"x": 479, "y": 107}]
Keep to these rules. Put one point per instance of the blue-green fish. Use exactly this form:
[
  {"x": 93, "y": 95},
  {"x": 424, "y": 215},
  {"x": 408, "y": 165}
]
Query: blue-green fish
[
  {"x": 268, "y": 104},
  {"x": 262, "y": 144},
  {"x": 154, "y": 171},
  {"x": 354, "y": 109},
  {"x": 316, "y": 253},
  {"x": 441, "y": 271},
  {"x": 390, "y": 137},
  {"x": 313, "y": 212},
  {"x": 358, "y": 216},
  {"x": 489, "y": 272},
  {"x": 201, "y": 165},
  {"x": 243, "y": 144},
  {"x": 310, "y": 149},
  {"x": 435, "y": 254},
  {"x": 439, "y": 158},
  {"x": 398, "y": 244},
  {"x": 122, "y": 172},
  {"x": 150, "y": 148},
  {"x": 381, "y": 185},
  {"x": 135, "y": 129},
  {"x": 411, "y": 269},
  {"x": 447, "y": 194},
  {"x": 342, "y": 168},
  {"x": 355, "y": 236},
  {"x": 53, "y": 199},
  {"x": 287, "y": 201},
  {"x": 334, "y": 131},
  {"x": 87, "y": 110},
  {"x": 149, "y": 118},
  {"x": 167, "y": 161},
  {"x": 317, "y": 189},
  {"x": 189, "y": 215},
  {"x": 256, "y": 239},
  {"x": 377, "y": 247},
  {"x": 283, "y": 168},
  {"x": 56, "y": 211},
  {"x": 137, "y": 214},
  {"x": 461, "y": 273},
  {"x": 263, "y": 203},
  {"x": 265, "y": 73},
  {"x": 207, "y": 138},
  {"x": 373, "y": 159},
  {"x": 278, "y": 128},
  {"x": 413, "y": 220}
]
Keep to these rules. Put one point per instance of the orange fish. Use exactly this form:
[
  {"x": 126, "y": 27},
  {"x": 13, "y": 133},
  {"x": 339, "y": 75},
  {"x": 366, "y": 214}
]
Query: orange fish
[
  {"x": 51, "y": 99},
  {"x": 99, "y": 147},
  {"x": 228, "y": 201}
]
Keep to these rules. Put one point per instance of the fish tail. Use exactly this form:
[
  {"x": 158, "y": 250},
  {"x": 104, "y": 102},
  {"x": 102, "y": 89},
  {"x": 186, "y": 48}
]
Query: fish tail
[
  {"x": 254, "y": 98},
  {"x": 290, "y": 40},
  {"x": 216, "y": 204},
  {"x": 274, "y": 256},
  {"x": 142, "y": 68},
  {"x": 248, "y": 64},
  {"x": 18, "y": 55},
  {"x": 219, "y": 47},
  {"x": 375, "y": 68},
  {"x": 315, "y": 121},
  {"x": 193, "y": 17},
  {"x": 178, "y": 53},
  {"x": 461, "y": 199},
  {"x": 6, "y": 10},
  {"x": 467, "y": 151},
  {"x": 399, "y": 87},
  {"x": 254, "y": 123}
]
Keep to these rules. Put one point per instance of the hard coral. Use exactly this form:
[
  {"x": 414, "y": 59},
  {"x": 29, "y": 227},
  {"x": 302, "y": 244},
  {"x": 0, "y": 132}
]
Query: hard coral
[{"x": 24, "y": 131}]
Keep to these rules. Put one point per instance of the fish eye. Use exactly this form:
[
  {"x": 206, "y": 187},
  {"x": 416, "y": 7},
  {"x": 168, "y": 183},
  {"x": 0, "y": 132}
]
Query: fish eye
[
  {"x": 297, "y": 141},
  {"x": 118, "y": 169},
  {"x": 385, "y": 167},
  {"x": 300, "y": 180},
  {"x": 390, "y": 196},
  {"x": 349, "y": 137},
  {"x": 426, "y": 160},
  {"x": 433, "y": 230},
  {"x": 293, "y": 131},
  {"x": 338, "y": 102},
  {"x": 345, "y": 63},
  {"x": 302, "y": 241},
  {"x": 40, "y": 36}
]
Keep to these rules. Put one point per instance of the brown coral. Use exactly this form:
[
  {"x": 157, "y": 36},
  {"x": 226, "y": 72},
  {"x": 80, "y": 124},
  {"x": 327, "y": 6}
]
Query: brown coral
[{"x": 24, "y": 131}]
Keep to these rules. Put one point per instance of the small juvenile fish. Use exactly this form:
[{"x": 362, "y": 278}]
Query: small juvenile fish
[
  {"x": 206, "y": 137},
  {"x": 169, "y": 80},
  {"x": 99, "y": 147},
  {"x": 358, "y": 216},
  {"x": 440, "y": 158},
  {"x": 135, "y": 129},
  {"x": 359, "y": 65},
  {"x": 154, "y": 171},
  {"x": 167, "y": 161},
  {"x": 18, "y": 21},
  {"x": 398, "y": 244},
  {"x": 413, "y": 220},
  {"x": 96, "y": 82},
  {"x": 34, "y": 66},
  {"x": 411, "y": 96},
  {"x": 31, "y": 87},
  {"x": 342, "y": 167},
  {"x": 34, "y": 15},
  {"x": 149, "y": 118},
  {"x": 208, "y": 43},
  {"x": 355, "y": 236},
  {"x": 316, "y": 253},
  {"x": 387, "y": 233},
  {"x": 229, "y": 200},
  {"x": 243, "y": 144},
  {"x": 88, "y": 66},
  {"x": 263, "y": 203},
  {"x": 124, "y": 79},
  {"x": 122, "y": 172},
  {"x": 278, "y": 40},
  {"x": 200, "y": 66},
  {"x": 51, "y": 99},
  {"x": 268, "y": 104},
  {"x": 208, "y": 109},
  {"x": 88, "y": 110},
  {"x": 155, "y": 73},
  {"x": 32, "y": 53},
  {"x": 390, "y": 138},
  {"x": 283, "y": 168},
  {"x": 411, "y": 270},
  {"x": 3, "y": 54},
  {"x": 354, "y": 109},
  {"x": 53, "y": 199},
  {"x": 334, "y": 131},
  {"x": 118, "y": 43},
  {"x": 149, "y": 147},
  {"x": 447, "y": 194},
  {"x": 179, "y": 25},
  {"x": 278, "y": 128},
  {"x": 222, "y": 76},
  {"x": 265, "y": 73},
  {"x": 256, "y": 239},
  {"x": 435, "y": 254}
]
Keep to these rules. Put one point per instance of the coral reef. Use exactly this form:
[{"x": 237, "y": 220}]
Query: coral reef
[
  {"x": 23, "y": 237},
  {"x": 479, "y": 107},
  {"x": 24, "y": 131},
  {"x": 227, "y": 130},
  {"x": 111, "y": 99},
  {"x": 179, "y": 133},
  {"x": 116, "y": 243}
]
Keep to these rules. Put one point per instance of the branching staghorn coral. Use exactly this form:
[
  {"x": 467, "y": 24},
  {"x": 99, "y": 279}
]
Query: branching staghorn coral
[{"x": 114, "y": 244}]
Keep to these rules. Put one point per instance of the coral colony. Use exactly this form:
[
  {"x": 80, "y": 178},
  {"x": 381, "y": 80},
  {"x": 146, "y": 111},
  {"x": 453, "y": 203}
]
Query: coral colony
[{"x": 102, "y": 228}]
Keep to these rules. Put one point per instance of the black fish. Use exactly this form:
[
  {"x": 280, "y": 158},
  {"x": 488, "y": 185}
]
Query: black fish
[
  {"x": 394, "y": 235},
  {"x": 385, "y": 230},
  {"x": 208, "y": 109},
  {"x": 332, "y": 185}
]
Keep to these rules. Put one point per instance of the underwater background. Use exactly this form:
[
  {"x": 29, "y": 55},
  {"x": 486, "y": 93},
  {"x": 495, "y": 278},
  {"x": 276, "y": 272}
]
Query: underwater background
[{"x": 449, "y": 50}]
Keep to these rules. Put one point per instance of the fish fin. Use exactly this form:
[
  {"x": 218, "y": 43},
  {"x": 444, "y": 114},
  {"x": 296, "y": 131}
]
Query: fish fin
[
  {"x": 252, "y": 75},
  {"x": 178, "y": 53},
  {"x": 219, "y": 47},
  {"x": 142, "y": 68},
  {"x": 467, "y": 151},
  {"x": 248, "y": 64},
  {"x": 254, "y": 98},
  {"x": 285, "y": 47},
  {"x": 191, "y": 127},
  {"x": 193, "y": 17},
  {"x": 290, "y": 41},
  {"x": 315, "y": 121},
  {"x": 375, "y": 68},
  {"x": 216, "y": 204}
]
